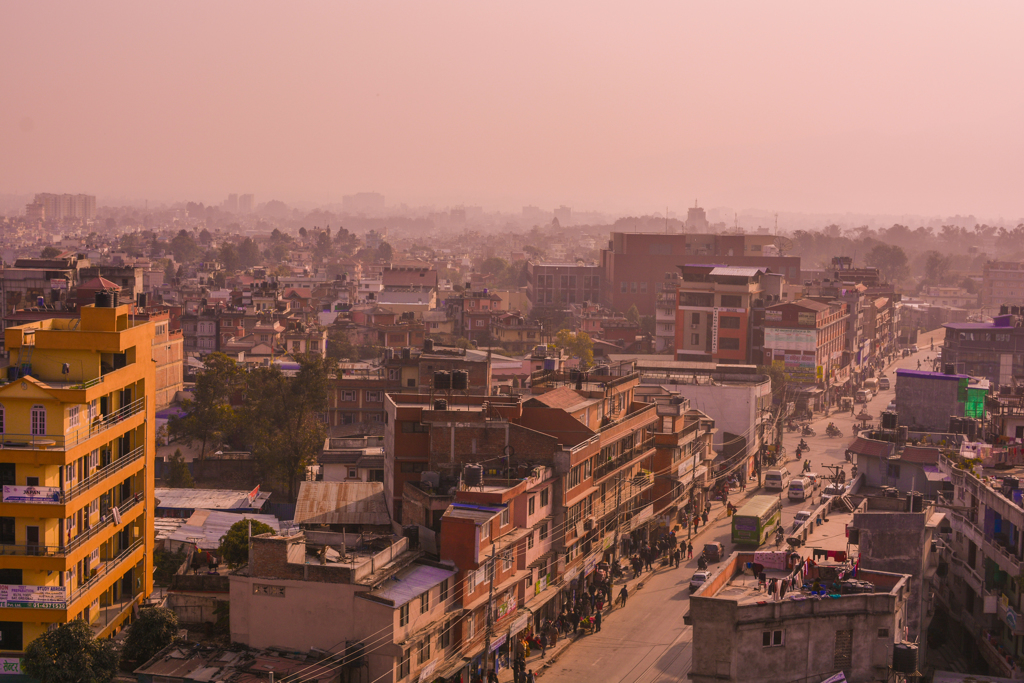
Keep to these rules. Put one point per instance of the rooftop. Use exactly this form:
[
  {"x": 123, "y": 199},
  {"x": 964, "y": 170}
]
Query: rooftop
[
  {"x": 210, "y": 499},
  {"x": 411, "y": 582},
  {"x": 337, "y": 502}
]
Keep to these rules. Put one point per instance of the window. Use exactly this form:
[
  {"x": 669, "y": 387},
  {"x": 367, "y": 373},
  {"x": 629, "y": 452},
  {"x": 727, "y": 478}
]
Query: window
[
  {"x": 773, "y": 638},
  {"x": 424, "y": 602},
  {"x": 353, "y": 473},
  {"x": 374, "y": 396},
  {"x": 444, "y": 591},
  {"x": 504, "y": 517},
  {"x": 695, "y": 318},
  {"x": 506, "y": 561},
  {"x": 1, "y": 419},
  {"x": 529, "y": 541},
  {"x": 424, "y": 655},
  {"x": 485, "y": 530},
  {"x": 632, "y": 287},
  {"x": 695, "y": 339},
  {"x": 38, "y": 420},
  {"x": 403, "y": 664},
  {"x": 93, "y": 410},
  {"x": 403, "y": 615},
  {"x": 729, "y": 322},
  {"x": 643, "y": 287},
  {"x": 893, "y": 470},
  {"x": 543, "y": 531},
  {"x": 729, "y": 343},
  {"x": 732, "y": 301},
  {"x": 394, "y": 375},
  {"x": 445, "y": 640},
  {"x": 544, "y": 498},
  {"x": 623, "y": 287},
  {"x": 411, "y": 382},
  {"x": 531, "y": 507},
  {"x": 348, "y": 396},
  {"x": 843, "y": 657},
  {"x": 883, "y": 633}
]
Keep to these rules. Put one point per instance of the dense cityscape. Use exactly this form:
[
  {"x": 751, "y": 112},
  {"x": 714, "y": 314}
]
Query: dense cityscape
[{"x": 463, "y": 342}]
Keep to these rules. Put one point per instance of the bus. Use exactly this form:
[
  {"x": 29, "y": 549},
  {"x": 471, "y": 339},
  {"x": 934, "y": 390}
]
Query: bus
[{"x": 755, "y": 521}]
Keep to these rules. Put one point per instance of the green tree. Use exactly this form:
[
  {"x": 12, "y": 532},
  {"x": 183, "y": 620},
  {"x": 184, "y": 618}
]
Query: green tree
[
  {"x": 778, "y": 379},
  {"x": 890, "y": 260},
  {"x": 153, "y": 630},
  {"x": 283, "y": 416},
  {"x": 184, "y": 247},
  {"x": 339, "y": 346},
  {"x": 494, "y": 266},
  {"x": 345, "y": 241},
  {"x": 69, "y": 654},
  {"x": 229, "y": 256},
  {"x": 578, "y": 344},
  {"x": 205, "y": 238},
  {"x": 936, "y": 267},
  {"x": 248, "y": 253},
  {"x": 234, "y": 547},
  {"x": 633, "y": 315},
  {"x": 647, "y": 324},
  {"x": 178, "y": 476},
  {"x": 50, "y": 252},
  {"x": 969, "y": 285},
  {"x": 385, "y": 252},
  {"x": 208, "y": 414}
]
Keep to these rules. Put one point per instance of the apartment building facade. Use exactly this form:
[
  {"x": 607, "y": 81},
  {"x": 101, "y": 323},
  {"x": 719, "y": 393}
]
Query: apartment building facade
[
  {"x": 807, "y": 339},
  {"x": 714, "y": 314},
  {"x": 554, "y": 286},
  {"x": 77, "y": 466}
]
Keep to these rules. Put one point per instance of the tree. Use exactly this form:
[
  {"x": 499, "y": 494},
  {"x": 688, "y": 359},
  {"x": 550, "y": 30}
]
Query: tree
[
  {"x": 339, "y": 346},
  {"x": 890, "y": 260},
  {"x": 153, "y": 630},
  {"x": 346, "y": 241},
  {"x": 302, "y": 232},
  {"x": 234, "y": 547},
  {"x": 69, "y": 654},
  {"x": 248, "y": 253},
  {"x": 493, "y": 266},
  {"x": 385, "y": 252},
  {"x": 633, "y": 315},
  {"x": 184, "y": 247},
  {"x": 283, "y": 416},
  {"x": 969, "y": 285},
  {"x": 229, "y": 256},
  {"x": 178, "y": 476},
  {"x": 208, "y": 414},
  {"x": 205, "y": 238},
  {"x": 578, "y": 344},
  {"x": 936, "y": 267},
  {"x": 647, "y": 325},
  {"x": 50, "y": 252},
  {"x": 778, "y": 378}
]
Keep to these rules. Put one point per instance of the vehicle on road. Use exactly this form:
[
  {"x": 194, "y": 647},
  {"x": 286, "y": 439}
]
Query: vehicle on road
[
  {"x": 833, "y": 431},
  {"x": 807, "y": 430},
  {"x": 913, "y": 348},
  {"x": 892, "y": 407},
  {"x": 800, "y": 518},
  {"x": 756, "y": 520},
  {"x": 870, "y": 383},
  {"x": 814, "y": 479},
  {"x": 713, "y": 551},
  {"x": 776, "y": 480},
  {"x": 833, "y": 491},
  {"x": 799, "y": 489},
  {"x": 863, "y": 395},
  {"x": 883, "y": 383},
  {"x": 698, "y": 579}
]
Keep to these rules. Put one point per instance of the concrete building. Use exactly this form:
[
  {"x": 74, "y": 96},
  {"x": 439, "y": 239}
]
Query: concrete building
[
  {"x": 554, "y": 286},
  {"x": 991, "y": 350},
  {"x": 740, "y": 634},
  {"x": 76, "y": 519},
  {"x": 1002, "y": 282},
  {"x": 58, "y": 207},
  {"x": 169, "y": 357},
  {"x": 357, "y": 458},
  {"x": 714, "y": 314},
  {"x": 246, "y": 203},
  {"x": 925, "y": 401},
  {"x": 807, "y": 339},
  {"x": 635, "y": 264}
]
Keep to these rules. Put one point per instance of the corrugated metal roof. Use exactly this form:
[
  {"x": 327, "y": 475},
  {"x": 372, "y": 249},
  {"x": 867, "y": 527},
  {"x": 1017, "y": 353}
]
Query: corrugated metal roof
[
  {"x": 209, "y": 526},
  {"x": 341, "y": 502},
  {"x": 479, "y": 514},
  {"x": 737, "y": 271},
  {"x": 412, "y": 582},
  {"x": 862, "y": 446},
  {"x": 208, "y": 499}
]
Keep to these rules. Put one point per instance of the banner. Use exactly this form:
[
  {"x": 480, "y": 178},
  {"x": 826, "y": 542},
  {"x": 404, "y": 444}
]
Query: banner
[
  {"x": 34, "y": 597},
  {"x": 32, "y": 494},
  {"x": 10, "y": 666}
]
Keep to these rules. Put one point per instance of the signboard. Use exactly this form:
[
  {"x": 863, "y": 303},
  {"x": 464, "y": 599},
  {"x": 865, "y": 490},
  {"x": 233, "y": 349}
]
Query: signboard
[
  {"x": 807, "y": 319},
  {"x": 499, "y": 641},
  {"x": 34, "y": 597},
  {"x": 32, "y": 494},
  {"x": 10, "y": 666},
  {"x": 591, "y": 563},
  {"x": 788, "y": 339},
  {"x": 427, "y": 671},
  {"x": 773, "y": 316},
  {"x": 253, "y": 494},
  {"x": 519, "y": 624},
  {"x": 541, "y": 584},
  {"x": 58, "y": 283},
  {"x": 1011, "y": 619},
  {"x": 714, "y": 332},
  {"x": 507, "y": 605}
]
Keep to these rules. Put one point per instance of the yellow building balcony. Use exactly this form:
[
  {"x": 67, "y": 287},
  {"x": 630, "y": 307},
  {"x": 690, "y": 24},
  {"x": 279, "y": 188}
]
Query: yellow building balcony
[{"x": 74, "y": 438}]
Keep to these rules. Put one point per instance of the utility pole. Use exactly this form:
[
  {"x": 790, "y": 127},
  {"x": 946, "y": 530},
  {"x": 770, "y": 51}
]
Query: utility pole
[
  {"x": 490, "y": 603},
  {"x": 618, "y": 512}
]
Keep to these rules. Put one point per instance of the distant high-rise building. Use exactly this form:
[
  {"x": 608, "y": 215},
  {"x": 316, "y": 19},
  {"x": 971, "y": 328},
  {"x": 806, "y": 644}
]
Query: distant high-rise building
[
  {"x": 57, "y": 207},
  {"x": 458, "y": 215},
  {"x": 696, "y": 219},
  {"x": 363, "y": 202},
  {"x": 534, "y": 214},
  {"x": 245, "y": 203},
  {"x": 35, "y": 212},
  {"x": 231, "y": 203},
  {"x": 563, "y": 215}
]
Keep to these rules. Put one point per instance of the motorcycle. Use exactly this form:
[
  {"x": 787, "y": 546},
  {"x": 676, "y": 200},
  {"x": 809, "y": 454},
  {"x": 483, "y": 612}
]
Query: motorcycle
[
  {"x": 803, "y": 445},
  {"x": 799, "y": 454},
  {"x": 807, "y": 431},
  {"x": 833, "y": 431}
]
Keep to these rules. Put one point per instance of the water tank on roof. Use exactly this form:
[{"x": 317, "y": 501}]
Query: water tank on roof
[
  {"x": 474, "y": 475},
  {"x": 540, "y": 350},
  {"x": 460, "y": 380},
  {"x": 889, "y": 420},
  {"x": 949, "y": 369},
  {"x": 104, "y": 299},
  {"x": 440, "y": 404},
  {"x": 442, "y": 380},
  {"x": 904, "y": 658},
  {"x": 428, "y": 345}
]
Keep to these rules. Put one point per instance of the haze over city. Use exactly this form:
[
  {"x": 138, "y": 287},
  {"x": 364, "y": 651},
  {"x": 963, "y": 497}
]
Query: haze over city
[{"x": 890, "y": 108}]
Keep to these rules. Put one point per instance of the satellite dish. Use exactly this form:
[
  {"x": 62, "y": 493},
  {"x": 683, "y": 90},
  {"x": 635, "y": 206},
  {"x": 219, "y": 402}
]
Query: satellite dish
[{"x": 783, "y": 244}]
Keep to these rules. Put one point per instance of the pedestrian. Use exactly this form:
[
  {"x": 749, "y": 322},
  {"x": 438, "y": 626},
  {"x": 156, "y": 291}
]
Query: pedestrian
[
  {"x": 675, "y": 557},
  {"x": 704, "y": 518},
  {"x": 543, "y": 644},
  {"x": 597, "y": 622},
  {"x": 608, "y": 591},
  {"x": 623, "y": 594},
  {"x": 689, "y": 551},
  {"x": 492, "y": 676},
  {"x": 530, "y": 678}
]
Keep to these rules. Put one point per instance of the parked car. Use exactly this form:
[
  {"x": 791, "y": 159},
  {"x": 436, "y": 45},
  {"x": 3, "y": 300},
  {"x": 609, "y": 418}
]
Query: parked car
[
  {"x": 698, "y": 579},
  {"x": 913, "y": 348},
  {"x": 833, "y": 491},
  {"x": 713, "y": 551},
  {"x": 883, "y": 383},
  {"x": 800, "y": 518},
  {"x": 814, "y": 478}
]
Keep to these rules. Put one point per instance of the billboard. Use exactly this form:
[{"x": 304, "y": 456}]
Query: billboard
[
  {"x": 47, "y": 495},
  {"x": 787, "y": 339},
  {"x": 32, "y": 597}
]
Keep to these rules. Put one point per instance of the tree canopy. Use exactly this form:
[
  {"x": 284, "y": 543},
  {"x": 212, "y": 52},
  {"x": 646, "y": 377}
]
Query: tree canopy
[
  {"x": 69, "y": 654},
  {"x": 234, "y": 547},
  {"x": 578, "y": 344},
  {"x": 153, "y": 630},
  {"x": 208, "y": 414},
  {"x": 178, "y": 474},
  {"x": 890, "y": 260}
]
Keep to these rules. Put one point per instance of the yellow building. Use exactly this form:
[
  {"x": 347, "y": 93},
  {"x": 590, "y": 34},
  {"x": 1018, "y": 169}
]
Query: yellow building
[{"x": 76, "y": 463}]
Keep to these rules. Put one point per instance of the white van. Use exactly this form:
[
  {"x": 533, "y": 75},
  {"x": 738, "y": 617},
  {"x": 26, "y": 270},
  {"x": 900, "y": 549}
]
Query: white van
[
  {"x": 800, "y": 489},
  {"x": 776, "y": 480},
  {"x": 883, "y": 383}
]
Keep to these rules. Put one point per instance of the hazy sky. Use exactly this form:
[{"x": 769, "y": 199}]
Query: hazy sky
[{"x": 907, "y": 106}]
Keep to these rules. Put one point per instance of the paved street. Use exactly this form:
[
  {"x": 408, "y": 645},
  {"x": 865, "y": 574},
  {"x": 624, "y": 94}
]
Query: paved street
[{"x": 647, "y": 641}]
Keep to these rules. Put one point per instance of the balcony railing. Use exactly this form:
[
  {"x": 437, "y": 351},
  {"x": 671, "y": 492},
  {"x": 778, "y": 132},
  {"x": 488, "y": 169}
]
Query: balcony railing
[
  {"x": 73, "y": 437},
  {"x": 107, "y": 521},
  {"x": 101, "y": 474},
  {"x": 38, "y": 550},
  {"x": 105, "y": 569},
  {"x": 615, "y": 463}
]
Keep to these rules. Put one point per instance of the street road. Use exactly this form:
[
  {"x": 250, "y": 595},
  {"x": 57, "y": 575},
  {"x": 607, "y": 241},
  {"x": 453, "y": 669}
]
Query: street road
[{"x": 647, "y": 641}]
